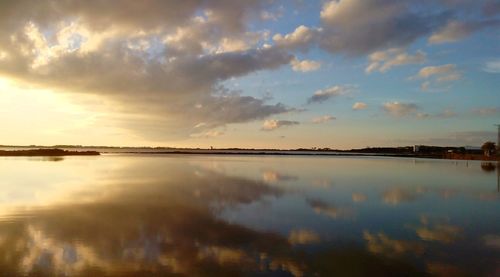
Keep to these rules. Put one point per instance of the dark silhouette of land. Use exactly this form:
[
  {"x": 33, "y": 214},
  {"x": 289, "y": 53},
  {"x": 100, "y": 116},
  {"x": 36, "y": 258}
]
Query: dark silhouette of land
[
  {"x": 46, "y": 153},
  {"x": 422, "y": 151}
]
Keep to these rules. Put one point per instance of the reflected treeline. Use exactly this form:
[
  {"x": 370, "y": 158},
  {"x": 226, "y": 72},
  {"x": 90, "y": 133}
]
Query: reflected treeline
[
  {"x": 488, "y": 166},
  {"x": 168, "y": 226},
  {"x": 47, "y": 159}
]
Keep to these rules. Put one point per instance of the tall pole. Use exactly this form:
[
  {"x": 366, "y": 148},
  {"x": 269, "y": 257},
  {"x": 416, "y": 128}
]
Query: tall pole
[
  {"x": 498, "y": 162},
  {"x": 498, "y": 137}
]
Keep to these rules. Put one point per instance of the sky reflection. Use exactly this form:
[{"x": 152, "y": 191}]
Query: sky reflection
[{"x": 220, "y": 215}]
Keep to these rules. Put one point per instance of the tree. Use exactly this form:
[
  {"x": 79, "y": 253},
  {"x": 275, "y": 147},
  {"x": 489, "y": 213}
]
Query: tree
[{"x": 489, "y": 148}]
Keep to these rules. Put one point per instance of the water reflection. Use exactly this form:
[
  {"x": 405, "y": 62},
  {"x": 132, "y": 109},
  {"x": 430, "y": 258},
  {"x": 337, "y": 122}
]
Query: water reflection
[
  {"x": 221, "y": 216},
  {"x": 488, "y": 166}
]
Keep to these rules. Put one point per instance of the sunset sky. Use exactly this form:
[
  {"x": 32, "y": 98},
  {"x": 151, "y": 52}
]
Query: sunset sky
[{"x": 243, "y": 73}]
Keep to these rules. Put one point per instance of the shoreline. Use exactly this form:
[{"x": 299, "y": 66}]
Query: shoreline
[
  {"x": 468, "y": 157},
  {"x": 46, "y": 153},
  {"x": 57, "y": 152}
]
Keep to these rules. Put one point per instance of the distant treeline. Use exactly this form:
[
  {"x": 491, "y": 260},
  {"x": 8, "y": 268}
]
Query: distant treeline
[{"x": 47, "y": 152}]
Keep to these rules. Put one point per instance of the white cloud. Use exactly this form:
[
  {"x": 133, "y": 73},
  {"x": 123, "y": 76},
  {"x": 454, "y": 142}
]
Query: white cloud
[
  {"x": 272, "y": 124},
  {"x": 446, "y": 72},
  {"x": 359, "y": 106},
  {"x": 325, "y": 94},
  {"x": 301, "y": 38},
  {"x": 323, "y": 119},
  {"x": 492, "y": 66},
  {"x": 382, "y": 61},
  {"x": 434, "y": 75},
  {"x": 272, "y": 15},
  {"x": 305, "y": 65},
  {"x": 398, "y": 109}
]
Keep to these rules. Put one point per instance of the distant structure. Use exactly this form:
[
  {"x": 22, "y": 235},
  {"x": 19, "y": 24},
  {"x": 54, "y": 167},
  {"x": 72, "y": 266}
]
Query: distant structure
[{"x": 416, "y": 148}]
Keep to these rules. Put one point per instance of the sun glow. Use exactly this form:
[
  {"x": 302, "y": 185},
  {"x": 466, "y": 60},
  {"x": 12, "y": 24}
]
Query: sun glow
[{"x": 43, "y": 117}]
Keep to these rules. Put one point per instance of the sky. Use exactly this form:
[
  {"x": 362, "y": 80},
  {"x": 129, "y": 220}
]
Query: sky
[{"x": 249, "y": 73}]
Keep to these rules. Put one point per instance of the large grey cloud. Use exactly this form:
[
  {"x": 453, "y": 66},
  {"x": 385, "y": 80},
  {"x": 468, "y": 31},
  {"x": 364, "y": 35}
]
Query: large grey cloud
[
  {"x": 358, "y": 27},
  {"x": 164, "y": 60}
]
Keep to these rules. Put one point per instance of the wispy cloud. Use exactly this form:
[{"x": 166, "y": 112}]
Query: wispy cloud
[
  {"x": 434, "y": 75},
  {"x": 272, "y": 124},
  {"x": 208, "y": 134},
  {"x": 303, "y": 236},
  {"x": 359, "y": 106},
  {"x": 458, "y": 30},
  {"x": 305, "y": 65},
  {"x": 382, "y": 61},
  {"x": 323, "y": 119},
  {"x": 486, "y": 111},
  {"x": 399, "y": 109},
  {"x": 448, "y": 113},
  {"x": 325, "y": 94}
]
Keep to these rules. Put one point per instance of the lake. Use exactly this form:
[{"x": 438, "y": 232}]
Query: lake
[{"x": 216, "y": 215}]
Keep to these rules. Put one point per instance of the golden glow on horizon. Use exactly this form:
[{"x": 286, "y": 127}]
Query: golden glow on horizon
[
  {"x": 42, "y": 117},
  {"x": 36, "y": 116}
]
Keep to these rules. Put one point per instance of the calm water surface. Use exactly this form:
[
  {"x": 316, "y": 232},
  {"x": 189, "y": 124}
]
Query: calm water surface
[{"x": 251, "y": 215}]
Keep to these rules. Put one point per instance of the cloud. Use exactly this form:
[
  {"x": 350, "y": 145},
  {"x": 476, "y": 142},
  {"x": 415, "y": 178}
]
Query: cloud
[
  {"x": 331, "y": 211},
  {"x": 358, "y": 27},
  {"x": 443, "y": 73},
  {"x": 303, "y": 236},
  {"x": 398, "y": 109},
  {"x": 395, "y": 196},
  {"x": 161, "y": 64},
  {"x": 443, "y": 233},
  {"x": 457, "y": 30},
  {"x": 359, "y": 106},
  {"x": 305, "y": 65},
  {"x": 492, "y": 66},
  {"x": 444, "y": 114},
  {"x": 272, "y": 124},
  {"x": 361, "y": 26},
  {"x": 300, "y": 39},
  {"x": 273, "y": 15},
  {"x": 381, "y": 244},
  {"x": 271, "y": 176},
  {"x": 323, "y": 119},
  {"x": 437, "y": 74},
  {"x": 325, "y": 94},
  {"x": 208, "y": 134},
  {"x": 491, "y": 8},
  {"x": 382, "y": 61},
  {"x": 486, "y": 111}
]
